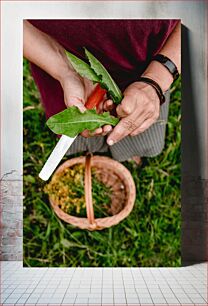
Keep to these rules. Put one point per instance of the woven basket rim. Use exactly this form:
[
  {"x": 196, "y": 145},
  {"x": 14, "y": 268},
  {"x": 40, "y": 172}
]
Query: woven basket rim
[{"x": 104, "y": 222}]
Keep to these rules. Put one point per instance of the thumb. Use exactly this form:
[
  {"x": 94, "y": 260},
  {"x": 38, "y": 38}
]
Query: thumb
[
  {"x": 122, "y": 129},
  {"x": 126, "y": 107}
]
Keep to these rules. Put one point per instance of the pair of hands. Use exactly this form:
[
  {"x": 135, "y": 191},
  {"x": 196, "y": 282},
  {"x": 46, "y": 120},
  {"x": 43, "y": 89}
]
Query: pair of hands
[{"x": 138, "y": 110}]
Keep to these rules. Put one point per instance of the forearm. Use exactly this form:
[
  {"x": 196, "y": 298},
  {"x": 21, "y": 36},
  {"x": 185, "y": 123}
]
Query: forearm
[
  {"x": 45, "y": 52},
  {"x": 171, "y": 49}
]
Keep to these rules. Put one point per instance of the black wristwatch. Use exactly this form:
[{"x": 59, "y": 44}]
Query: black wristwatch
[{"x": 168, "y": 64}]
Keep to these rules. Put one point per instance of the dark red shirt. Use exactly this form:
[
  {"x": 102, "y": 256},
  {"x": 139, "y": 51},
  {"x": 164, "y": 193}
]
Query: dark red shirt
[{"x": 125, "y": 47}]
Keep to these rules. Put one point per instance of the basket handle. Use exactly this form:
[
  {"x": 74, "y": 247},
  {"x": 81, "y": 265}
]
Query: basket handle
[{"x": 88, "y": 191}]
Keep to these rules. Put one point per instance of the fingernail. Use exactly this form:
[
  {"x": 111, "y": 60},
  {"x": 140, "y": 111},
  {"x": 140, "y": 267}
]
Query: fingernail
[
  {"x": 99, "y": 130},
  {"x": 110, "y": 142}
]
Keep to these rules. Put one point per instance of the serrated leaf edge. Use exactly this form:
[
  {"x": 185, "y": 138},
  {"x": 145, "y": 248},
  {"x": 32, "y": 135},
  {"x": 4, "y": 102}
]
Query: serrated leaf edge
[
  {"x": 117, "y": 98},
  {"x": 72, "y": 57}
]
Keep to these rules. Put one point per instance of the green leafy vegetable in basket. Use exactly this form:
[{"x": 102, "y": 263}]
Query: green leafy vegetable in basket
[
  {"x": 71, "y": 121},
  {"x": 66, "y": 189}
]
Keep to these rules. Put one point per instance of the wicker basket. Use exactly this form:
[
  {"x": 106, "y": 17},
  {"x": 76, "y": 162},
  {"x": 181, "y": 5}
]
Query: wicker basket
[{"x": 112, "y": 174}]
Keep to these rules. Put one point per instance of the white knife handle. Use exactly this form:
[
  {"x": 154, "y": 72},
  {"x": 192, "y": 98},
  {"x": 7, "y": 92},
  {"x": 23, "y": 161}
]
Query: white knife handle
[{"x": 56, "y": 156}]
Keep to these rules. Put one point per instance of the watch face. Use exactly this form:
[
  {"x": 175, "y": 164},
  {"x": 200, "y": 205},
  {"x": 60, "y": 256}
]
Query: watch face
[
  {"x": 168, "y": 64},
  {"x": 163, "y": 59}
]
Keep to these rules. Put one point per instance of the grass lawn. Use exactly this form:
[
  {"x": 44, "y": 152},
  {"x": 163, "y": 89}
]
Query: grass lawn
[{"x": 150, "y": 236}]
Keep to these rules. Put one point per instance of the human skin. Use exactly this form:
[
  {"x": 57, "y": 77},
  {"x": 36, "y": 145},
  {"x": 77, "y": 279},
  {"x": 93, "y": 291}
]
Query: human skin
[{"x": 140, "y": 106}]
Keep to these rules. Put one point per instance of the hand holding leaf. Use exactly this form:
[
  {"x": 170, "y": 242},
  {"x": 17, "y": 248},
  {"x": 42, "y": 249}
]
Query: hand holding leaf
[{"x": 71, "y": 121}]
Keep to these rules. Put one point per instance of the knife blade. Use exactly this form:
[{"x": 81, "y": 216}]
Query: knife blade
[{"x": 65, "y": 142}]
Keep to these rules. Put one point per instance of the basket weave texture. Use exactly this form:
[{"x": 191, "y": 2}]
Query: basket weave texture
[{"x": 113, "y": 174}]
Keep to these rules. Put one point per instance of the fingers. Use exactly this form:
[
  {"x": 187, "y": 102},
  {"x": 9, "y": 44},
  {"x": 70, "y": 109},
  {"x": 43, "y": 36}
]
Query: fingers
[
  {"x": 75, "y": 101},
  {"x": 132, "y": 117},
  {"x": 130, "y": 126},
  {"x": 105, "y": 106},
  {"x": 122, "y": 129},
  {"x": 126, "y": 107},
  {"x": 108, "y": 105},
  {"x": 102, "y": 131},
  {"x": 144, "y": 126},
  {"x": 137, "y": 112},
  {"x": 107, "y": 129},
  {"x": 88, "y": 134},
  {"x": 137, "y": 122}
]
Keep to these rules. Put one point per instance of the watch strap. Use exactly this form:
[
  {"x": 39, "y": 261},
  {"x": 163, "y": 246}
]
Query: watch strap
[
  {"x": 156, "y": 86},
  {"x": 168, "y": 64}
]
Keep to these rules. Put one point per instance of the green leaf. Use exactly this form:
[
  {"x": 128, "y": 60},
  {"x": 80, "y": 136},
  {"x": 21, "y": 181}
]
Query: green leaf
[
  {"x": 72, "y": 121},
  {"x": 106, "y": 79},
  {"x": 82, "y": 68}
]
